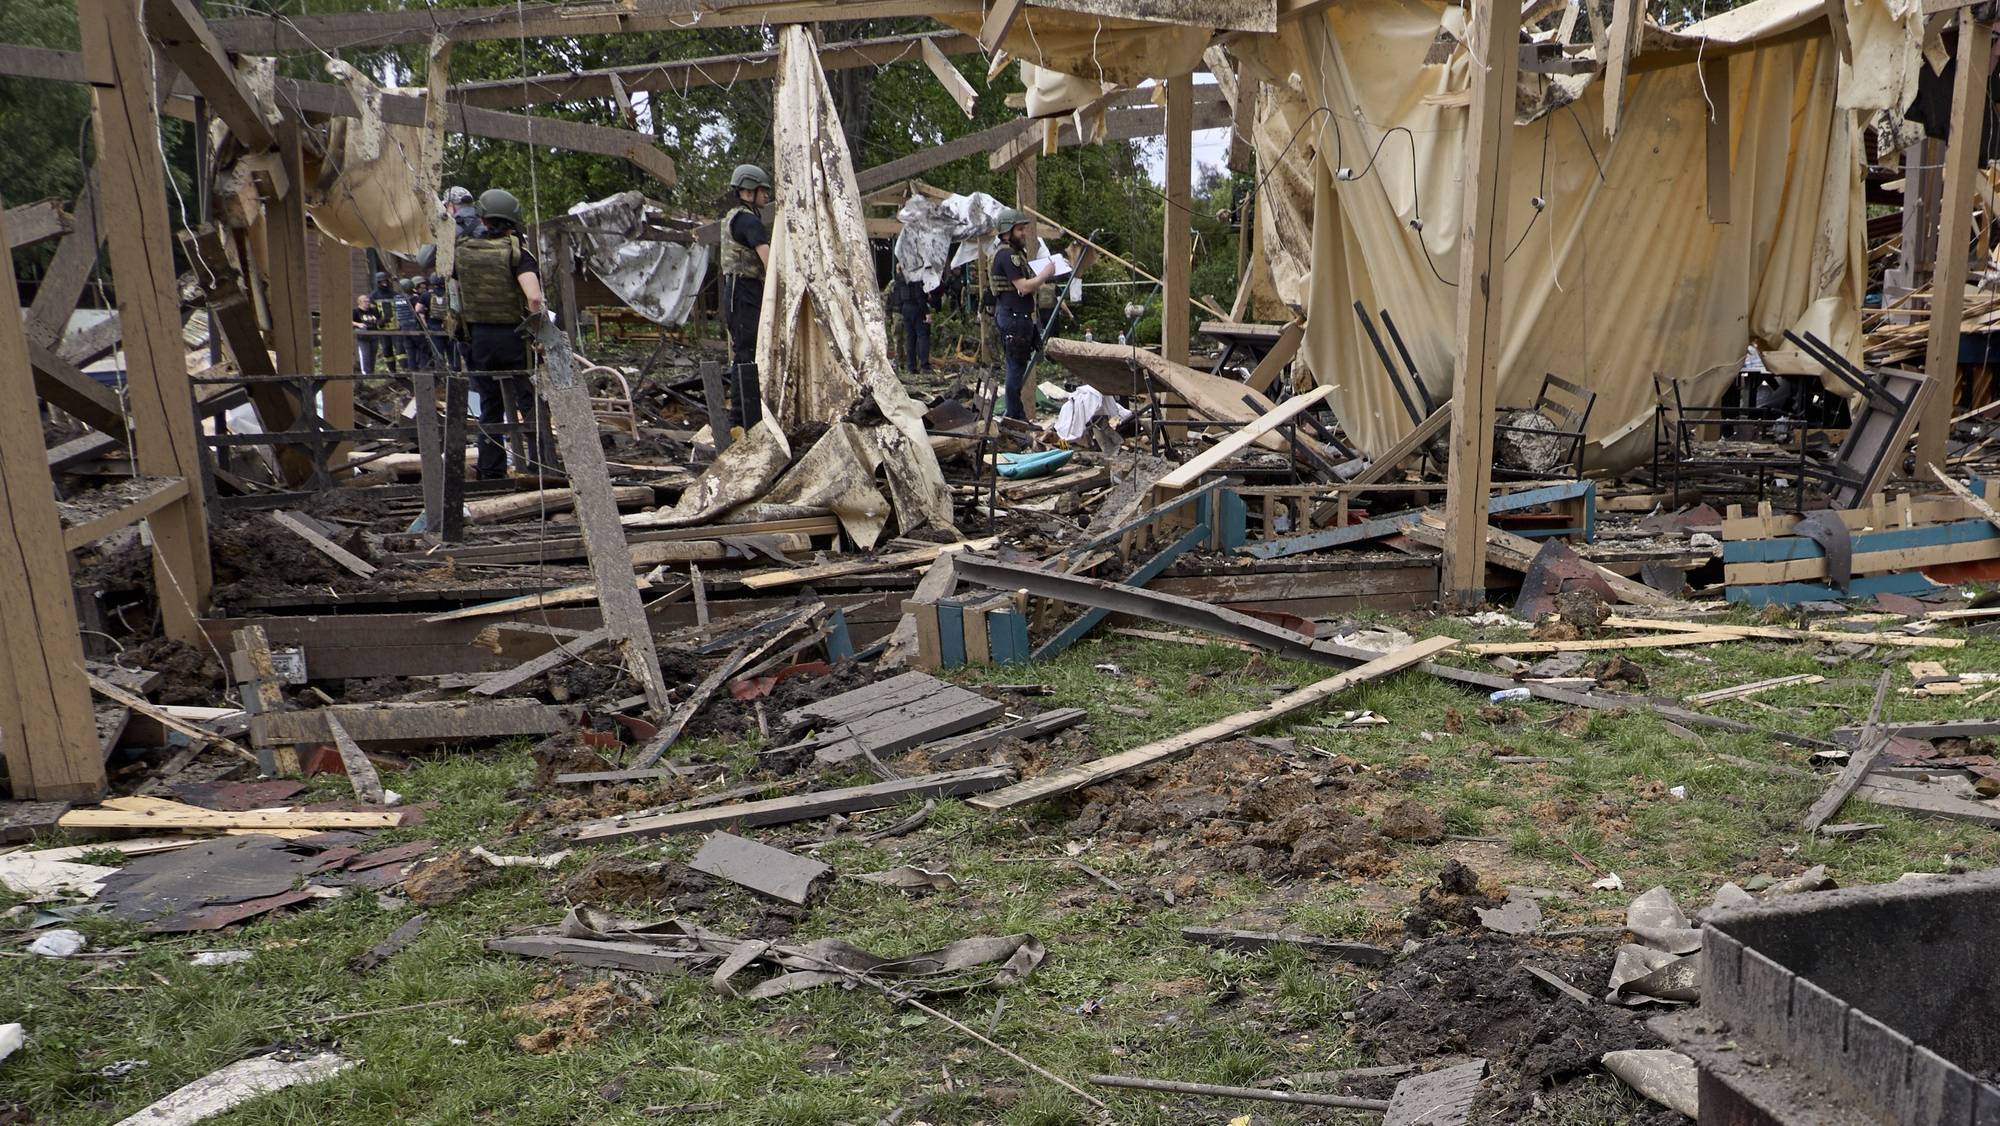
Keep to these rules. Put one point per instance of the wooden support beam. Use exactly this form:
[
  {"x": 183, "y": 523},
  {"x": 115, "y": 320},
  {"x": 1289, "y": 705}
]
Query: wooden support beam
[
  {"x": 1177, "y": 255},
  {"x": 1274, "y": 361},
  {"x": 954, "y": 83},
  {"x": 48, "y": 733},
  {"x": 289, "y": 308},
  {"x": 31, "y": 223},
  {"x": 268, "y": 35},
  {"x": 434, "y": 721},
  {"x": 1628, "y": 17},
  {"x": 69, "y": 389},
  {"x": 597, "y": 513},
  {"x": 63, "y": 281},
  {"x": 1191, "y": 471},
  {"x": 1126, "y": 117},
  {"x": 147, "y": 496},
  {"x": 1961, "y": 165},
  {"x": 131, "y": 187},
  {"x": 1481, "y": 255},
  {"x": 336, "y": 335},
  {"x": 1715, "y": 83},
  {"x": 183, "y": 34},
  {"x": 918, "y": 163},
  {"x": 803, "y": 807},
  {"x": 998, "y": 22},
  {"x": 678, "y": 76}
]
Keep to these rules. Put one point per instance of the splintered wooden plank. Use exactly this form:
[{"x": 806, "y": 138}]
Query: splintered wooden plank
[
  {"x": 160, "y": 716},
  {"x": 1785, "y": 633},
  {"x": 1190, "y": 471},
  {"x": 918, "y": 557},
  {"x": 1077, "y": 777},
  {"x": 567, "y": 596},
  {"x": 687, "y": 708},
  {"x": 194, "y": 817},
  {"x": 1358, "y": 952},
  {"x": 1754, "y": 688},
  {"x": 291, "y": 522},
  {"x": 435, "y": 722},
  {"x": 1592, "y": 644},
  {"x": 801, "y": 807},
  {"x": 899, "y": 729},
  {"x": 1866, "y": 750},
  {"x": 1951, "y": 797},
  {"x": 1439, "y": 1098}
]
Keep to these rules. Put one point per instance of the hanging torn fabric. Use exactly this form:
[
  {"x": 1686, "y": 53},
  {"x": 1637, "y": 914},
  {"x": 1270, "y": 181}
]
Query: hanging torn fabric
[
  {"x": 377, "y": 185},
  {"x": 658, "y": 279},
  {"x": 932, "y": 227},
  {"x": 822, "y": 341}
]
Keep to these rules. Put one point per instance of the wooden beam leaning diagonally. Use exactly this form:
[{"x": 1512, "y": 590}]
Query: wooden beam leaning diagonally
[
  {"x": 954, "y": 83},
  {"x": 1191, "y": 470},
  {"x": 69, "y": 270},
  {"x": 31, "y": 223},
  {"x": 183, "y": 34},
  {"x": 1476, "y": 376},
  {"x": 596, "y": 511},
  {"x": 998, "y": 22},
  {"x": 64, "y": 386},
  {"x": 48, "y": 733},
  {"x": 132, "y": 175},
  {"x": 1961, "y": 165},
  {"x": 1089, "y": 773}
]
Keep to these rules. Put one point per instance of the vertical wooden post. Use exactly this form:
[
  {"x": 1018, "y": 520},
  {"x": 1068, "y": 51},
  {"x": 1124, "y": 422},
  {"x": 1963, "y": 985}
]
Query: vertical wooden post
[
  {"x": 1961, "y": 164},
  {"x": 132, "y": 197},
  {"x": 565, "y": 279},
  {"x": 1482, "y": 252},
  {"x": 285, "y": 240},
  {"x": 48, "y": 734},
  {"x": 1027, "y": 190},
  {"x": 1177, "y": 208},
  {"x": 336, "y": 329},
  {"x": 1243, "y": 123}
]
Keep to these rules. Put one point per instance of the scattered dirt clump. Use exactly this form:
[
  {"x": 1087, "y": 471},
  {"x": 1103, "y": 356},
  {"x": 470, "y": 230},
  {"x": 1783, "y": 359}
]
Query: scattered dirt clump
[
  {"x": 188, "y": 675},
  {"x": 619, "y": 879},
  {"x": 1554, "y": 629},
  {"x": 450, "y": 877},
  {"x": 1468, "y": 995},
  {"x": 1454, "y": 902},
  {"x": 1584, "y": 609},
  {"x": 576, "y": 1017},
  {"x": 1617, "y": 671},
  {"x": 1412, "y": 821}
]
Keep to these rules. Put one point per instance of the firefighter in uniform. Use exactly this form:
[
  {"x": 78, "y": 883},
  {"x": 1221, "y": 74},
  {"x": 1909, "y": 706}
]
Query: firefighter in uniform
[
  {"x": 499, "y": 288},
  {"x": 746, "y": 253},
  {"x": 1014, "y": 298}
]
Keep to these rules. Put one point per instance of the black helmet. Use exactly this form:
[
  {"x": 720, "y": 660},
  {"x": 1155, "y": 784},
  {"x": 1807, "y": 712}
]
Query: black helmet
[
  {"x": 381, "y": 277},
  {"x": 497, "y": 203},
  {"x": 437, "y": 281},
  {"x": 749, "y": 176}
]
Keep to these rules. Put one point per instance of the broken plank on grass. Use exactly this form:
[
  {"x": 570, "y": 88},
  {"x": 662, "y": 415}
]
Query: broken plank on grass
[
  {"x": 160, "y": 716},
  {"x": 1950, "y": 797},
  {"x": 1588, "y": 645},
  {"x": 1048, "y": 723},
  {"x": 1866, "y": 750},
  {"x": 801, "y": 807},
  {"x": 195, "y": 817},
  {"x": 429, "y": 722},
  {"x": 388, "y": 947},
  {"x": 645, "y": 957},
  {"x": 567, "y": 596},
  {"x": 1753, "y": 688},
  {"x": 1439, "y": 1098},
  {"x": 1358, "y": 952},
  {"x": 764, "y": 580},
  {"x": 360, "y": 772},
  {"x": 295, "y": 524},
  {"x": 219, "y": 1091},
  {"x": 765, "y": 870},
  {"x": 1785, "y": 633},
  {"x": 685, "y": 712},
  {"x": 656, "y": 774},
  {"x": 1077, "y": 777}
]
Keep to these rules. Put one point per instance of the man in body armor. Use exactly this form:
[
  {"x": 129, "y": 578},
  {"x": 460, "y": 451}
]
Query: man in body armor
[
  {"x": 1014, "y": 288},
  {"x": 409, "y": 320},
  {"x": 499, "y": 288},
  {"x": 746, "y": 253},
  {"x": 380, "y": 301}
]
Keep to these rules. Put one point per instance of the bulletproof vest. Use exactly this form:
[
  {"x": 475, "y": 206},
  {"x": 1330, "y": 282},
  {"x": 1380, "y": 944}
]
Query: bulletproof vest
[
  {"x": 737, "y": 259},
  {"x": 996, "y": 284},
  {"x": 406, "y": 311},
  {"x": 488, "y": 292}
]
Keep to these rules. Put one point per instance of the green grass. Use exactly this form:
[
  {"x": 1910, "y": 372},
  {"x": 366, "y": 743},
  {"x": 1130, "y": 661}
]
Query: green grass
[{"x": 1120, "y": 991}]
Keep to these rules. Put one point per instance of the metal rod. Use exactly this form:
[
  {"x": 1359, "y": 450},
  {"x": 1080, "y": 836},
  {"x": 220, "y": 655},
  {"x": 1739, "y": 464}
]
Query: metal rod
[{"x": 1220, "y": 1092}]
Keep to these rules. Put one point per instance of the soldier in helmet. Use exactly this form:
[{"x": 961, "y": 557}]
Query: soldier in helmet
[
  {"x": 1013, "y": 287},
  {"x": 381, "y": 301},
  {"x": 458, "y": 204},
  {"x": 409, "y": 322},
  {"x": 499, "y": 288},
  {"x": 746, "y": 252}
]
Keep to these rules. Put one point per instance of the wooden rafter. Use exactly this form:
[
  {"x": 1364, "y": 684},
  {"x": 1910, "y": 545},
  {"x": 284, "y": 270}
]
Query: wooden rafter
[{"x": 183, "y": 34}]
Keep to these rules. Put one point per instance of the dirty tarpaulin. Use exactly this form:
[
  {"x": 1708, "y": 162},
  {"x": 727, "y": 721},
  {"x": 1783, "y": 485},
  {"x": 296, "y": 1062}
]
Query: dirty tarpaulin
[
  {"x": 822, "y": 345},
  {"x": 658, "y": 279},
  {"x": 1622, "y": 275},
  {"x": 943, "y": 234},
  {"x": 378, "y": 185},
  {"x": 757, "y": 479}
]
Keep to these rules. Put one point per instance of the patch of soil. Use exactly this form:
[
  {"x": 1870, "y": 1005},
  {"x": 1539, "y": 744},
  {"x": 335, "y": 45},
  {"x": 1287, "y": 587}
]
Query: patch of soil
[
  {"x": 618, "y": 879},
  {"x": 1583, "y": 609},
  {"x": 188, "y": 675},
  {"x": 450, "y": 877},
  {"x": 1280, "y": 822},
  {"x": 1412, "y": 821},
  {"x": 579, "y": 681},
  {"x": 576, "y": 1017},
  {"x": 1617, "y": 671},
  {"x": 1453, "y": 902},
  {"x": 252, "y": 558},
  {"x": 1467, "y": 995},
  {"x": 727, "y": 715}
]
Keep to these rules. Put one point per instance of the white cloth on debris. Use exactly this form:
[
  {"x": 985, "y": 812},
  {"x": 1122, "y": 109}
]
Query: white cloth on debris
[
  {"x": 1084, "y": 405},
  {"x": 943, "y": 234},
  {"x": 658, "y": 279}
]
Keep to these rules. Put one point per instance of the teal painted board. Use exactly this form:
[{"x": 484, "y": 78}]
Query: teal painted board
[
  {"x": 951, "y": 634},
  {"x": 1786, "y": 548},
  {"x": 1867, "y": 586}
]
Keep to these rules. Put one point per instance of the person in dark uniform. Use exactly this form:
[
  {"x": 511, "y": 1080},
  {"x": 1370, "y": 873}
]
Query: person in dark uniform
[
  {"x": 458, "y": 204},
  {"x": 1013, "y": 288},
  {"x": 913, "y": 304},
  {"x": 434, "y": 302},
  {"x": 409, "y": 320},
  {"x": 499, "y": 288},
  {"x": 746, "y": 253},
  {"x": 381, "y": 300}
]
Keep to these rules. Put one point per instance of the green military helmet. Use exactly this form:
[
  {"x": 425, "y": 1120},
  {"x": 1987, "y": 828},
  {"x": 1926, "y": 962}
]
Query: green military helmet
[
  {"x": 498, "y": 203},
  {"x": 1010, "y": 218},
  {"x": 406, "y": 286},
  {"x": 749, "y": 176}
]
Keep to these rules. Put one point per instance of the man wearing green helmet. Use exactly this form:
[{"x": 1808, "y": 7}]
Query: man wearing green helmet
[
  {"x": 1013, "y": 287},
  {"x": 746, "y": 254},
  {"x": 499, "y": 288}
]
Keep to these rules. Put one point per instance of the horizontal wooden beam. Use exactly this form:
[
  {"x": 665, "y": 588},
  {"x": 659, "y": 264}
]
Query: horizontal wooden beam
[
  {"x": 434, "y": 722},
  {"x": 328, "y": 100},
  {"x": 958, "y": 148},
  {"x": 681, "y": 75},
  {"x": 1124, "y": 121},
  {"x": 271, "y": 34},
  {"x": 31, "y": 223},
  {"x": 85, "y": 524}
]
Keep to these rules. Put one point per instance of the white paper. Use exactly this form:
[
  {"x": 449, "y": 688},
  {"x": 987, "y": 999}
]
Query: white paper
[{"x": 1062, "y": 265}]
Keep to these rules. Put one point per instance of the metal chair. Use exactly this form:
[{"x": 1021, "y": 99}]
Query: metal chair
[{"x": 1569, "y": 418}]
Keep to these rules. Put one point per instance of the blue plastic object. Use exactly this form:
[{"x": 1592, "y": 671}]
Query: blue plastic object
[{"x": 1019, "y": 466}]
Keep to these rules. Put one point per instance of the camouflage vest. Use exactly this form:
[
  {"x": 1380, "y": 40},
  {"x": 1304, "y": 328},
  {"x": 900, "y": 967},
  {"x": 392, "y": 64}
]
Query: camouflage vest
[
  {"x": 488, "y": 292},
  {"x": 739, "y": 260}
]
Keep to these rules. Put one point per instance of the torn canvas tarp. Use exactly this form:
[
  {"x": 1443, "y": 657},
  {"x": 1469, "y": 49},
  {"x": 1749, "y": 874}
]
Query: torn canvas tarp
[
  {"x": 378, "y": 184},
  {"x": 1620, "y": 274},
  {"x": 658, "y": 279},
  {"x": 943, "y": 234},
  {"x": 822, "y": 341}
]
